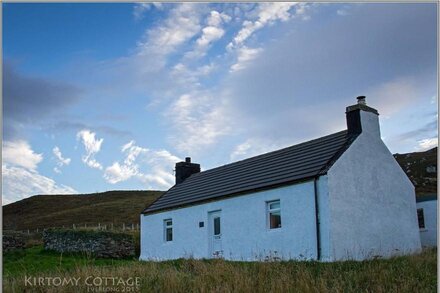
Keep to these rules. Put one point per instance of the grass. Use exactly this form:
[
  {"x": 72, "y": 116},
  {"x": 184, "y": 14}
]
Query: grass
[
  {"x": 415, "y": 273},
  {"x": 35, "y": 260},
  {"x": 46, "y": 211}
]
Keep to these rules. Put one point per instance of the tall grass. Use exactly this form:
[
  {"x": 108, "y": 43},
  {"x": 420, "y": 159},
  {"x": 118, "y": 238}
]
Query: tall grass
[{"x": 416, "y": 273}]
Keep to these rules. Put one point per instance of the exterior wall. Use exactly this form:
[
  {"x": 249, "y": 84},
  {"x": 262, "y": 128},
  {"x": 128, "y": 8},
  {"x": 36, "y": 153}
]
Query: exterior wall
[
  {"x": 428, "y": 236},
  {"x": 245, "y": 234},
  {"x": 371, "y": 200}
]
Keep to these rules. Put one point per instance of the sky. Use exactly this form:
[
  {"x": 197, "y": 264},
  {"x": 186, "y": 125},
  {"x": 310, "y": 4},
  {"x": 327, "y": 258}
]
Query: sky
[{"x": 110, "y": 96}]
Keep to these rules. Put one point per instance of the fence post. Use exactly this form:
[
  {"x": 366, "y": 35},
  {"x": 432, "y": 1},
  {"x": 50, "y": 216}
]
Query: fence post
[
  {"x": 123, "y": 226},
  {"x": 137, "y": 226},
  {"x": 28, "y": 232}
]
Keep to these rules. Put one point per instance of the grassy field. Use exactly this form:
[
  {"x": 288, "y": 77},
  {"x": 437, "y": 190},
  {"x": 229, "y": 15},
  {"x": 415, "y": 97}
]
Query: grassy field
[
  {"x": 45, "y": 211},
  {"x": 416, "y": 273}
]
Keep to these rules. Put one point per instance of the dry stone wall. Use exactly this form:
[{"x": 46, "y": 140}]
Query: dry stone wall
[
  {"x": 97, "y": 243},
  {"x": 12, "y": 241}
]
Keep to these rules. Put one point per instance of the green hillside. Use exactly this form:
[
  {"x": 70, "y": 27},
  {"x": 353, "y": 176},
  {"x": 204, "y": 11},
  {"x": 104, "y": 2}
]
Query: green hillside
[
  {"x": 421, "y": 169},
  {"x": 44, "y": 211}
]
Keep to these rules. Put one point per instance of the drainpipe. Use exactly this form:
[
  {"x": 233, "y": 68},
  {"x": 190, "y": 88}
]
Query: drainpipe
[{"x": 318, "y": 234}]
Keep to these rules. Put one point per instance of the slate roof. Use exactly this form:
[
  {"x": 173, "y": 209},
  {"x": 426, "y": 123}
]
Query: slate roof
[{"x": 285, "y": 166}]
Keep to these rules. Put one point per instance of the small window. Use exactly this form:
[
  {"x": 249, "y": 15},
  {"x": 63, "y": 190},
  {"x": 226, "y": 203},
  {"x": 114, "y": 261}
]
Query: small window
[
  {"x": 274, "y": 214},
  {"x": 421, "y": 218},
  {"x": 168, "y": 230},
  {"x": 217, "y": 226}
]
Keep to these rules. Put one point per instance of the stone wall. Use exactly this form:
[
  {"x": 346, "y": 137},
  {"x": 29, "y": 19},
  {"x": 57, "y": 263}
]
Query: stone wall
[
  {"x": 12, "y": 241},
  {"x": 97, "y": 243}
]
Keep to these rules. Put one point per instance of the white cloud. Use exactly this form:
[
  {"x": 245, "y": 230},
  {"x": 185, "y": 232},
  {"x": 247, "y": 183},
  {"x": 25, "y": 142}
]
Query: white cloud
[
  {"x": 240, "y": 151},
  {"x": 159, "y": 164},
  {"x": 117, "y": 173},
  {"x": 268, "y": 13},
  {"x": 61, "y": 161},
  {"x": 139, "y": 9},
  {"x": 160, "y": 178},
  {"x": 426, "y": 144},
  {"x": 199, "y": 120},
  {"x": 211, "y": 33},
  {"x": 253, "y": 147},
  {"x": 20, "y": 183},
  {"x": 216, "y": 18},
  {"x": 342, "y": 12},
  {"x": 244, "y": 56},
  {"x": 20, "y": 177},
  {"x": 187, "y": 77},
  {"x": 182, "y": 24},
  {"x": 92, "y": 147},
  {"x": 19, "y": 153}
]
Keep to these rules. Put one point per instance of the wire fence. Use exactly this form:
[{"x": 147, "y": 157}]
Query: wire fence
[{"x": 96, "y": 227}]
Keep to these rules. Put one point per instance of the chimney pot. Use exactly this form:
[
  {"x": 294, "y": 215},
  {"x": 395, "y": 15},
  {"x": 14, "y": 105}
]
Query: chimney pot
[
  {"x": 361, "y": 100},
  {"x": 188, "y": 159}
]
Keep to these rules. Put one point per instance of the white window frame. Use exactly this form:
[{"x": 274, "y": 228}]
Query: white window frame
[
  {"x": 269, "y": 211},
  {"x": 165, "y": 227}
]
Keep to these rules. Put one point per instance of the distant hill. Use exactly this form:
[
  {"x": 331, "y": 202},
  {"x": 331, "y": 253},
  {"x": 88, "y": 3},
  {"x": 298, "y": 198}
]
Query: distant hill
[
  {"x": 421, "y": 169},
  {"x": 44, "y": 211}
]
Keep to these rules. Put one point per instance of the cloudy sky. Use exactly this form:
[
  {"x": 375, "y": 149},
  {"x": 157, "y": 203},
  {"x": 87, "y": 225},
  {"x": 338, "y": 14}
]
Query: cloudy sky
[{"x": 110, "y": 96}]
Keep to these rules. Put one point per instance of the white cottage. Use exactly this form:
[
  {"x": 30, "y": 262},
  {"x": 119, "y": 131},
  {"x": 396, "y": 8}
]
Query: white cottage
[
  {"x": 427, "y": 216},
  {"x": 341, "y": 196}
]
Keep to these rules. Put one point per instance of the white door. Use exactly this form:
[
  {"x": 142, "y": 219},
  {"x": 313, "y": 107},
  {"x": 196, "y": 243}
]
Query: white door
[{"x": 215, "y": 234}]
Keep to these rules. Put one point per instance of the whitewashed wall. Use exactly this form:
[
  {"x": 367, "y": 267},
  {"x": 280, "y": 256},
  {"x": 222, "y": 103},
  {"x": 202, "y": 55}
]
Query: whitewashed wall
[
  {"x": 372, "y": 202},
  {"x": 245, "y": 235},
  {"x": 428, "y": 236}
]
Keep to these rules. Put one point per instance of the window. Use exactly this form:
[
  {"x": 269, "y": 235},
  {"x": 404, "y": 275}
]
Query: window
[
  {"x": 217, "y": 226},
  {"x": 274, "y": 214},
  {"x": 421, "y": 218},
  {"x": 168, "y": 230}
]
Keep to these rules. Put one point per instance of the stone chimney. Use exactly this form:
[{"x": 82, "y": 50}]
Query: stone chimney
[
  {"x": 362, "y": 119},
  {"x": 186, "y": 169}
]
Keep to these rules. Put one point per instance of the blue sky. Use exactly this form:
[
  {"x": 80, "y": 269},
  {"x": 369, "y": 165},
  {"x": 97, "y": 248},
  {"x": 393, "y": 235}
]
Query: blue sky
[{"x": 110, "y": 96}]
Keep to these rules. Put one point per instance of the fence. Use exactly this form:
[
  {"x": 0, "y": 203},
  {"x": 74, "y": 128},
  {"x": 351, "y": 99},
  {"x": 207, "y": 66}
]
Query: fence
[{"x": 99, "y": 227}]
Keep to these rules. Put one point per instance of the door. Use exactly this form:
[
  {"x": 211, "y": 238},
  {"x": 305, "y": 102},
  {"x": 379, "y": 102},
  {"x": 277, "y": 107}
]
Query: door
[{"x": 215, "y": 234}]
